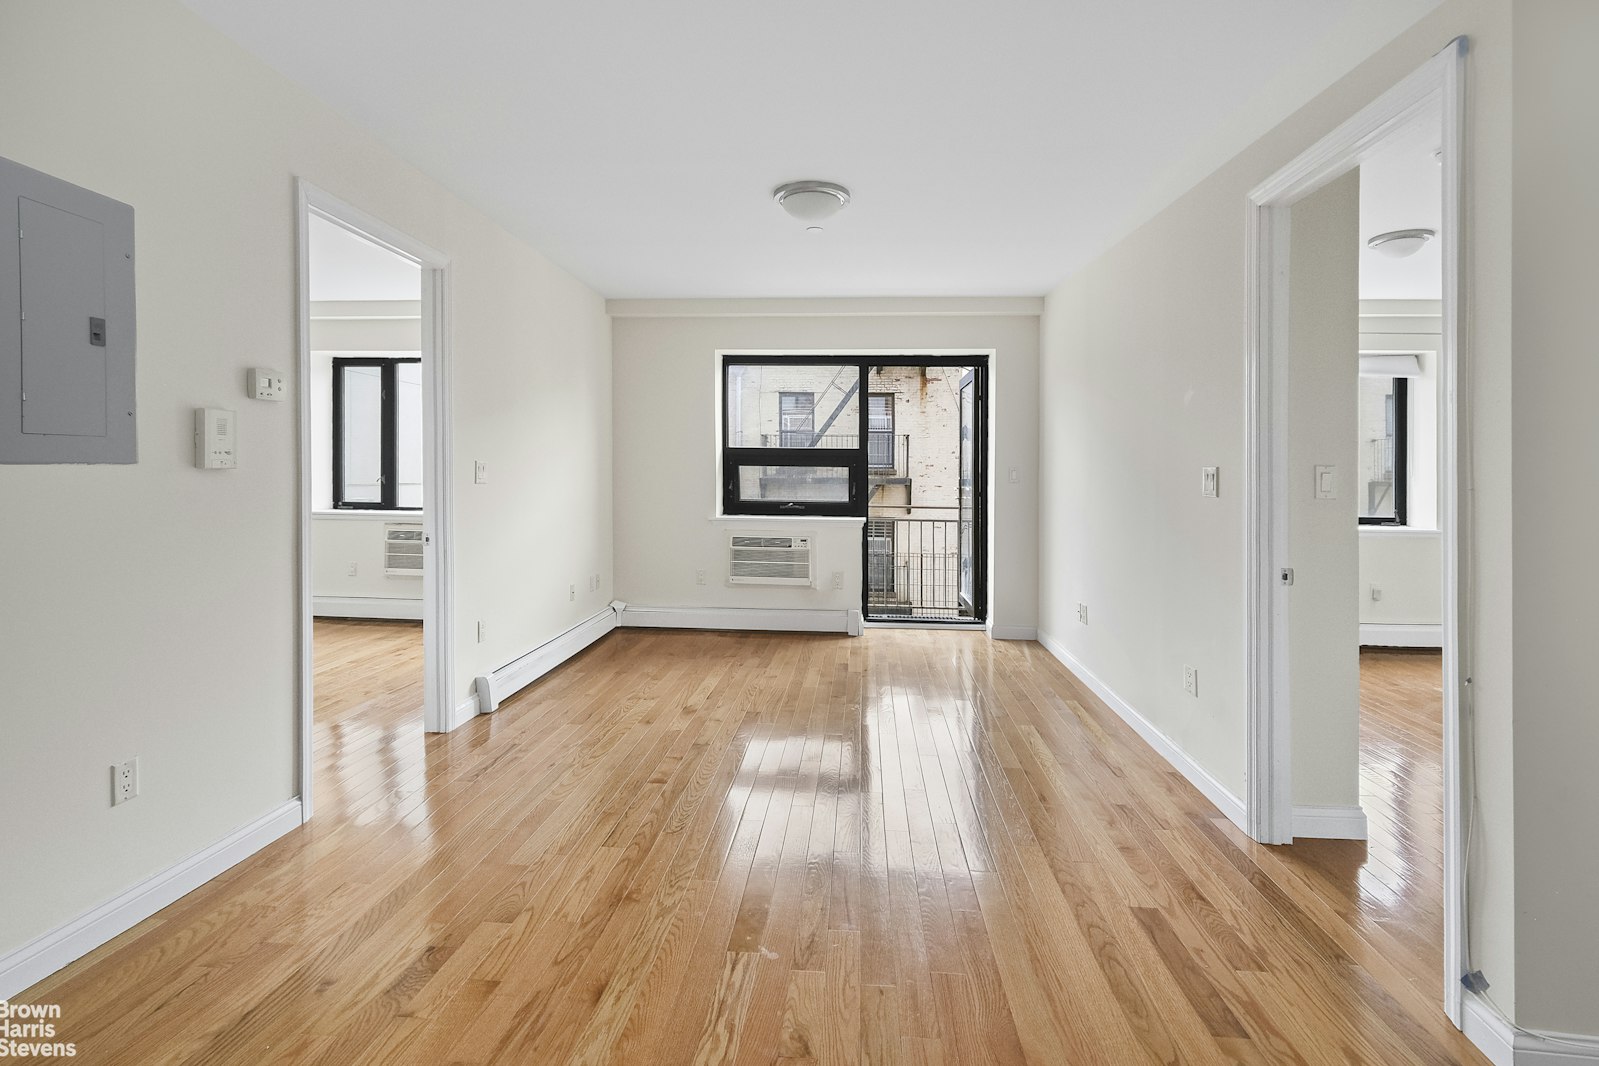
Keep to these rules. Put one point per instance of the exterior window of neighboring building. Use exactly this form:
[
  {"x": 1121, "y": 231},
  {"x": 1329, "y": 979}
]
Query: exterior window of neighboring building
[
  {"x": 880, "y": 430},
  {"x": 377, "y": 433}
]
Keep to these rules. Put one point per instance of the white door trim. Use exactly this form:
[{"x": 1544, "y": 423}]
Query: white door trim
[
  {"x": 1439, "y": 83},
  {"x": 438, "y": 560}
]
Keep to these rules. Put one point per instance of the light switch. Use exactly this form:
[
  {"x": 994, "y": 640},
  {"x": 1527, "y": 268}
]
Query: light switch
[
  {"x": 1326, "y": 483},
  {"x": 1209, "y": 482},
  {"x": 480, "y": 472}
]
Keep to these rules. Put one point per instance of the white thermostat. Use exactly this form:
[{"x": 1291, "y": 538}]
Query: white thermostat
[
  {"x": 215, "y": 441},
  {"x": 264, "y": 384}
]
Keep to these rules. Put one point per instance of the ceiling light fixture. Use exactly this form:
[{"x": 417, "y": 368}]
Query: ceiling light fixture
[
  {"x": 1399, "y": 243},
  {"x": 811, "y": 202}
]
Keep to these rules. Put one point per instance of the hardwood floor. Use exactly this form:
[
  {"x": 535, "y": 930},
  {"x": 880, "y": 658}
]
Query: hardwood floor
[{"x": 916, "y": 846}]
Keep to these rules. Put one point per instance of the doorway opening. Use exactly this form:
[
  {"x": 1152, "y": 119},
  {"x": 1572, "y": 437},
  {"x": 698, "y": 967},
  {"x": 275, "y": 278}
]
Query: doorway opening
[
  {"x": 374, "y": 574},
  {"x": 1327, "y": 458},
  {"x": 925, "y": 531}
]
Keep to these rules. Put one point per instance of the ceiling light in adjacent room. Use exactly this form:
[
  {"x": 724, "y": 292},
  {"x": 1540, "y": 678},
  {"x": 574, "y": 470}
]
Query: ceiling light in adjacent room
[
  {"x": 811, "y": 202},
  {"x": 1399, "y": 243}
]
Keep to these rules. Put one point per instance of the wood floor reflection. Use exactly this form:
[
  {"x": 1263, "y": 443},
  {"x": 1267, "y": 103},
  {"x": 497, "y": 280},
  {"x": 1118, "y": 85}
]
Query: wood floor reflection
[{"x": 919, "y": 847}]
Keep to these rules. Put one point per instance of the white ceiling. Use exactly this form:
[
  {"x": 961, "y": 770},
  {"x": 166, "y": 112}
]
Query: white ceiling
[
  {"x": 1401, "y": 187},
  {"x": 991, "y": 147},
  {"x": 347, "y": 267}
]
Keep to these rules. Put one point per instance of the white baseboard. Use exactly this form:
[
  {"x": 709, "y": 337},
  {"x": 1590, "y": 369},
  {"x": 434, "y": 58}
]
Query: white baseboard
[
  {"x": 1393, "y": 635},
  {"x": 795, "y": 620},
  {"x": 44, "y": 955},
  {"x": 1013, "y": 632},
  {"x": 365, "y": 607},
  {"x": 1197, "y": 775},
  {"x": 1329, "y": 823},
  {"x": 1505, "y": 1045},
  {"x": 495, "y": 688}
]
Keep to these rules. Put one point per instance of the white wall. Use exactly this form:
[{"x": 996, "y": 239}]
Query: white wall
[
  {"x": 1405, "y": 563},
  {"x": 1142, "y": 384},
  {"x": 155, "y": 613},
  {"x": 1556, "y": 380},
  {"x": 667, "y": 400},
  {"x": 345, "y": 539}
]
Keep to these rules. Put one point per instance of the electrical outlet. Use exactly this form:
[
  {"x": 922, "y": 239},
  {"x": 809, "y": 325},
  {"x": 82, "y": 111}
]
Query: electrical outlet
[
  {"x": 1082, "y": 613},
  {"x": 124, "y": 781},
  {"x": 838, "y": 579},
  {"x": 571, "y": 592},
  {"x": 1376, "y": 593},
  {"x": 480, "y": 472},
  {"x": 482, "y": 631},
  {"x": 1190, "y": 681},
  {"x": 352, "y": 570},
  {"x": 699, "y": 577}
]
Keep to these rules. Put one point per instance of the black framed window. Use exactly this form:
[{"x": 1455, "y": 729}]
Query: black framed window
[
  {"x": 377, "y": 433},
  {"x": 792, "y": 431},
  {"x": 1383, "y": 459}
]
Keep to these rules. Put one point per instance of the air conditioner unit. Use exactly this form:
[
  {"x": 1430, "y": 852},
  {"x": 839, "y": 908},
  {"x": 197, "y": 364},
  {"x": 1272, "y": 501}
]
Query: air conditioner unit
[
  {"x": 759, "y": 559},
  {"x": 402, "y": 550}
]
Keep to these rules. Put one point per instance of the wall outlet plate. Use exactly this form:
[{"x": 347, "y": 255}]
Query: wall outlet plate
[
  {"x": 1190, "y": 681},
  {"x": 1082, "y": 613},
  {"x": 480, "y": 472},
  {"x": 124, "y": 781}
]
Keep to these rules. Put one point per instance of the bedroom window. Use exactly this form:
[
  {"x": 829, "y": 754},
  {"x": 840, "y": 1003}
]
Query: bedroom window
[{"x": 377, "y": 433}]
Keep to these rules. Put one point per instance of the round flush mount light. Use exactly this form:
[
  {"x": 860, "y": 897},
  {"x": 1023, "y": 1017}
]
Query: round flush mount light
[
  {"x": 1399, "y": 243},
  {"x": 811, "y": 202}
]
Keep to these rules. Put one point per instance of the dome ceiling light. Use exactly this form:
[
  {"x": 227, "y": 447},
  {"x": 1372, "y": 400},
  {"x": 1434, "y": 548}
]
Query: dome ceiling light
[
  {"x": 811, "y": 202},
  {"x": 1399, "y": 243}
]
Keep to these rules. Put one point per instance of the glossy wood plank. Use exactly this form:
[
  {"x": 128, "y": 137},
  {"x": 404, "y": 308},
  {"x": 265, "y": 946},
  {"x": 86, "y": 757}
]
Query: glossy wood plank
[{"x": 913, "y": 847}]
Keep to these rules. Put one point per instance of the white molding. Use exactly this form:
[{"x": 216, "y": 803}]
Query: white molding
[
  {"x": 1398, "y": 635},
  {"x": 841, "y": 307},
  {"x": 496, "y": 687},
  {"x": 922, "y": 623},
  {"x": 1487, "y": 1028},
  {"x": 1329, "y": 822},
  {"x": 763, "y": 619},
  {"x": 1164, "y": 746},
  {"x": 1437, "y": 88},
  {"x": 44, "y": 955},
  {"x": 1398, "y": 533},
  {"x": 1505, "y": 1045},
  {"x": 1013, "y": 632},
  {"x": 365, "y": 607}
]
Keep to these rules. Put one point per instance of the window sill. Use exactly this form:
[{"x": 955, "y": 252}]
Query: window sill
[
  {"x": 350, "y": 514},
  {"x": 747, "y": 519},
  {"x": 1396, "y": 531}
]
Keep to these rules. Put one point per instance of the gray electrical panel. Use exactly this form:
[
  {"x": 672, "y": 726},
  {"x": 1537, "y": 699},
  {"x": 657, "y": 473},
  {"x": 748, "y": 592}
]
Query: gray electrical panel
[{"x": 66, "y": 322}]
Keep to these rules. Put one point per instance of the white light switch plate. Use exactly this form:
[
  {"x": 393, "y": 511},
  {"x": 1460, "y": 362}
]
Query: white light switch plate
[
  {"x": 1326, "y": 483},
  {"x": 480, "y": 472},
  {"x": 1210, "y": 481}
]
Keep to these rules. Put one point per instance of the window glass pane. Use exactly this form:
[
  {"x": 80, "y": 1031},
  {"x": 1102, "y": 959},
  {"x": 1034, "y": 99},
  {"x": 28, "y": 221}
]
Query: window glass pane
[
  {"x": 361, "y": 478},
  {"x": 408, "y": 433},
  {"x": 792, "y": 405},
  {"x": 797, "y": 484},
  {"x": 1377, "y": 475},
  {"x": 880, "y": 431}
]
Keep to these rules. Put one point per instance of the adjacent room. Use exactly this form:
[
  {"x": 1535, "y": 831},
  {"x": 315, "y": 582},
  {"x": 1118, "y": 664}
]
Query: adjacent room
[{"x": 642, "y": 535}]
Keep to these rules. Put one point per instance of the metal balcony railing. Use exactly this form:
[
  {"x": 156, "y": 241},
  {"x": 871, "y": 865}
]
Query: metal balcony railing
[
  {"x": 887, "y": 454},
  {"x": 918, "y": 568}
]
